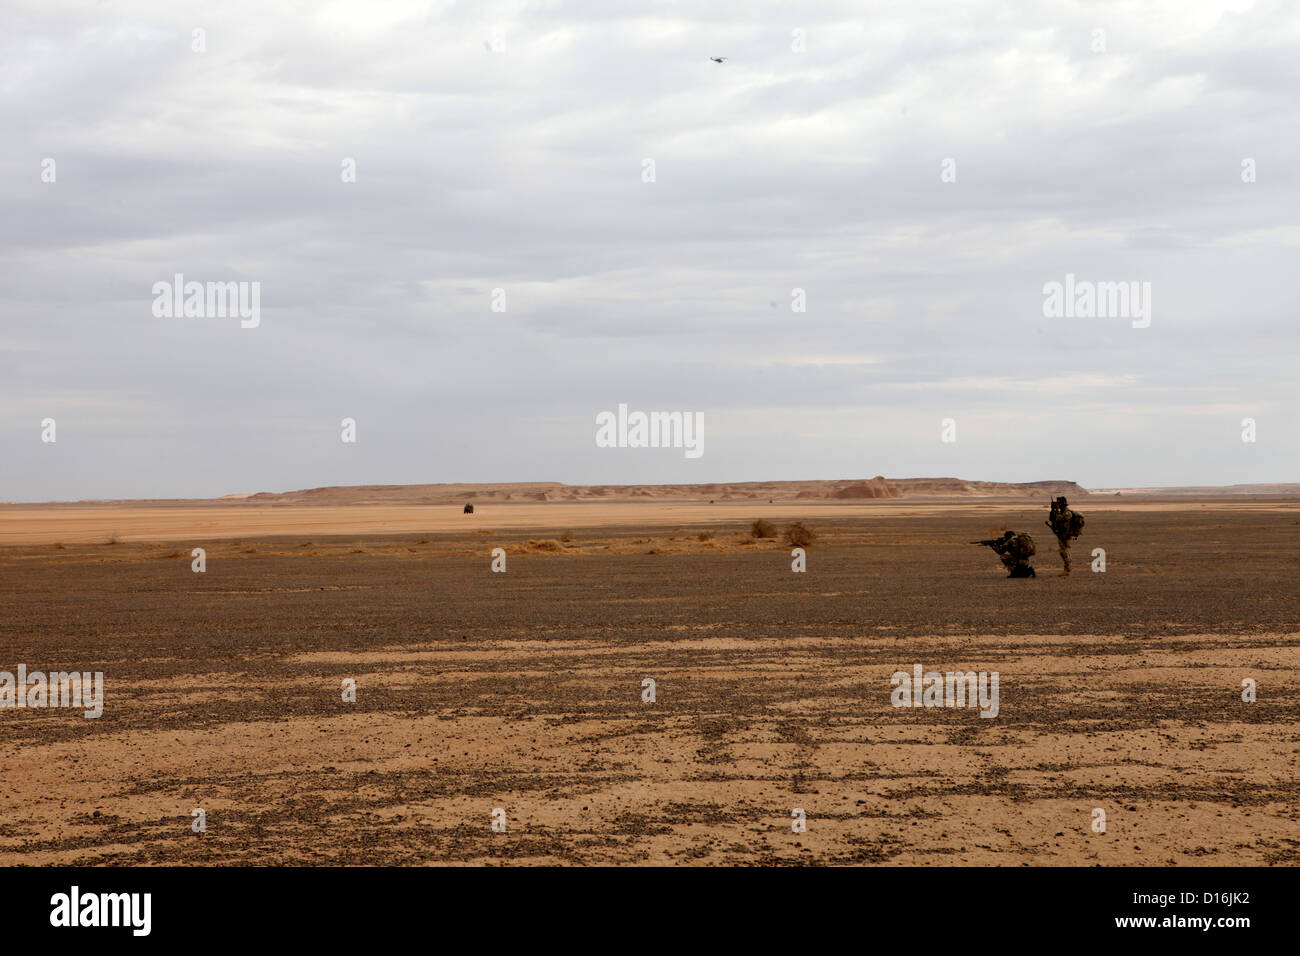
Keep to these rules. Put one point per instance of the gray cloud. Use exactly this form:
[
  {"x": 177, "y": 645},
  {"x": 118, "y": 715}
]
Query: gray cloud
[{"x": 522, "y": 170}]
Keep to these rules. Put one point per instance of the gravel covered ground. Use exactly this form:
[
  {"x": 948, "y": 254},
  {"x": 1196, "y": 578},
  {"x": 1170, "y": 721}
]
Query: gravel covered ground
[{"x": 1118, "y": 691}]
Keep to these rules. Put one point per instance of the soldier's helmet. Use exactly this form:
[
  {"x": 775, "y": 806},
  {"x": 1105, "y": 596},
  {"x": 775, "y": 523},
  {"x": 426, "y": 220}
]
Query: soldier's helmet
[
  {"x": 1009, "y": 534},
  {"x": 1060, "y": 499}
]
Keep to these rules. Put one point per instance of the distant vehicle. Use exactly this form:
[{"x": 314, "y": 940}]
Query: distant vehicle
[{"x": 469, "y": 509}]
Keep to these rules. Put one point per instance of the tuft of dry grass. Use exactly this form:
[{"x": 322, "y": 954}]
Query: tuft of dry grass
[
  {"x": 705, "y": 536},
  {"x": 799, "y": 536},
  {"x": 567, "y": 536},
  {"x": 762, "y": 529},
  {"x": 547, "y": 544}
]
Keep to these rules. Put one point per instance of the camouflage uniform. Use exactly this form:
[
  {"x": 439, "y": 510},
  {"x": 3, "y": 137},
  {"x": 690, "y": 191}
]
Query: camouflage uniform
[
  {"x": 1059, "y": 522},
  {"x": 1010, "y": 549}
]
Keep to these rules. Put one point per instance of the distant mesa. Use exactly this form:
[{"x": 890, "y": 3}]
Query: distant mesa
[
  {"x": 961, "y": 488},
  {"x": 877, "y": 487},
  {"x": 843, "y": 489}
]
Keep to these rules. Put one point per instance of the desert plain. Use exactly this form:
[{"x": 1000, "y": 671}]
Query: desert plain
[{"x": 1121, "y": 690}]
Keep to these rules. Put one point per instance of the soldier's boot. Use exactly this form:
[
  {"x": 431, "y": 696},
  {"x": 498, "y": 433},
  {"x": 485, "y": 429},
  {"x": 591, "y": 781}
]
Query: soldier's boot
[{"x": 1065, "y": 560}]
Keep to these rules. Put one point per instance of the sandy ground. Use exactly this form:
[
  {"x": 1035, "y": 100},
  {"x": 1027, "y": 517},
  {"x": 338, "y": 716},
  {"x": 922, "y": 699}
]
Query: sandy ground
[
  {"x": 1119, "y": 691},
  {"x": 99, "y": 524}
]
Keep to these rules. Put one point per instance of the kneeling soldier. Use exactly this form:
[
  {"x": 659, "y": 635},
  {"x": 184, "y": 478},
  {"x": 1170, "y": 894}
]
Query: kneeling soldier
[{"x": 1014, "y": 549}]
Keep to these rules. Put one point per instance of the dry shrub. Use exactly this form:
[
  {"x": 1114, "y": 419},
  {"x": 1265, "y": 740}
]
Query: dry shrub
[
  {"x": 763, "y": 529},
  {"x": 799, "y": 536},
  {"x": 705, "y": 536},
  {"x": 548, "y": 544}
]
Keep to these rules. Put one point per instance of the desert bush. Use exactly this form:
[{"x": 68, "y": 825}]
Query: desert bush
[
  {"x": 567, "y": 536},
  {"x": 799, "y": 536},
  {"x": 763, "y": 529},
  {"x": 549, "y": 544},
  {"x": 705, "y": 536}
]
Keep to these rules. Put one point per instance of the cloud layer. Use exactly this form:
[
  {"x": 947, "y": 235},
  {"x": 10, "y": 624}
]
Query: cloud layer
[{"x": 504, "y": 146}]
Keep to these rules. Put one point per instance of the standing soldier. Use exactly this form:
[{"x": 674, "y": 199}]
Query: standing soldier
[{"x": 1066, "y": 525}]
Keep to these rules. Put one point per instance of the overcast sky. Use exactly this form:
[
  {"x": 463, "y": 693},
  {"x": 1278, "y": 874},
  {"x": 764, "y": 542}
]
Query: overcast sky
[{"x": 503, "y": 146}]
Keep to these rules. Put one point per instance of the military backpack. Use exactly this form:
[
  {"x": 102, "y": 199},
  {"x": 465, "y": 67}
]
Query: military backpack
[{"x": 1023, "y": 545}]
